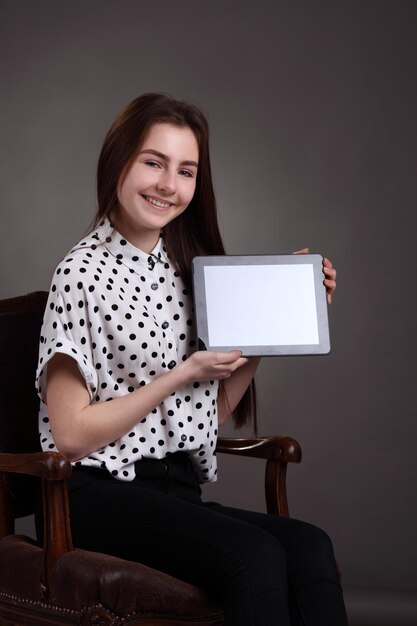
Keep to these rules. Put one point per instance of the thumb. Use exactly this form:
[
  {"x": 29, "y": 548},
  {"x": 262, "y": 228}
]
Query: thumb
[
  {"x": 303, "y": 251},
  {"x": 233, "y": 355}
]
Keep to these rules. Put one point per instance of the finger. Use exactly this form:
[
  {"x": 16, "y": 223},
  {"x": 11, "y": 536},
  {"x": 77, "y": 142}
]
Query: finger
[
  {"x": 330, "y": 272},
  {"x": 228, "y": 357},
  {"x": 327, "y": 262},
  {"x": 330, "y": 284},
  {"x": 223, "y": 371},
  {"x": 303, "y": 251},
  {"x": 221, "y": 374},
  {"x": 224, "y": 368},
  {"x": 242, "y": 361},
  {"x": 330, "y": 289}
]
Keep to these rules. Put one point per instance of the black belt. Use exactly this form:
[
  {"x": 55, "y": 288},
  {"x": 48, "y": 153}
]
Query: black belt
[{"x": 176, "y": 467}]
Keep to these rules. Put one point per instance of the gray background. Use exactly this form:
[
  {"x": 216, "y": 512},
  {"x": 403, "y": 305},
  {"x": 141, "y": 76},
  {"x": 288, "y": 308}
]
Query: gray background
[{"x": 313, "y": 121}]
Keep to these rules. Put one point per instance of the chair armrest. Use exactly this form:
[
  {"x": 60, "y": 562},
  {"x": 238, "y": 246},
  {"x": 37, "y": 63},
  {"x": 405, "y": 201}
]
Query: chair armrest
[
  {"x": 279, "y": 447},
  {"x": 278, "y": 451},
  {"x": 47, "y": 465}
]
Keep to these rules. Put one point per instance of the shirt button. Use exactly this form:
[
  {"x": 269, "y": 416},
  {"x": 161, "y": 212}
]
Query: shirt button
[
  {"x": 165, "y": 325},
  {"x": 183, "y": 437},
  {"x": 154, "y": 286},
  {"x": 171, "y": 364}
]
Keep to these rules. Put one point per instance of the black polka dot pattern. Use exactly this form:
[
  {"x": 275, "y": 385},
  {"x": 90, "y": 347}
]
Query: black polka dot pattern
[{"x": 126, "y": 320}]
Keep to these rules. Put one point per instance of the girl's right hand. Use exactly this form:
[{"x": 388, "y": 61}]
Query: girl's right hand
[{"x": 205, "y": 365}]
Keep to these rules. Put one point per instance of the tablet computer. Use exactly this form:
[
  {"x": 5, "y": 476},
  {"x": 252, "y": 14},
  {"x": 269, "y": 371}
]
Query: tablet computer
[{"x": 262, "y": 305}]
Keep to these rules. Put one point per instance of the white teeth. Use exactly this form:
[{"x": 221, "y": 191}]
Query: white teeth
[{"x": 161, "y": 205}]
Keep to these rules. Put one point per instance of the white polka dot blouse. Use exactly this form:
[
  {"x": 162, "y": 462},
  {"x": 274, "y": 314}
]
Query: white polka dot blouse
[{"x": 125, "y": 317}]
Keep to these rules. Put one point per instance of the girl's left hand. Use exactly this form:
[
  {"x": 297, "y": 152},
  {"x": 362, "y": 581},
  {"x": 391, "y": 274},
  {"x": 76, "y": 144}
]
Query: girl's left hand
[{"x": 329, "y": 272}]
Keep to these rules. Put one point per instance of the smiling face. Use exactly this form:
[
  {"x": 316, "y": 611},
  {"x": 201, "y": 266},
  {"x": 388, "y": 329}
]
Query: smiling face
[{"x": 159, "y": 185}]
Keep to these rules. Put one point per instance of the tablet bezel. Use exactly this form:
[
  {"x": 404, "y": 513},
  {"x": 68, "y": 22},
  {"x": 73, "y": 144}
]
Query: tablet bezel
[{"x": 200, "y": 303}]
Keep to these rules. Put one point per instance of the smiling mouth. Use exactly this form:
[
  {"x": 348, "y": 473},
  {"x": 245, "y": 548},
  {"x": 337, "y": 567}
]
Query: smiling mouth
[{"x": 158, "y": 203}]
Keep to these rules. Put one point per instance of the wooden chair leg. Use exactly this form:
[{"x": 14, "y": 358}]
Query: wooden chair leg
[
  {"x": 6, "y": 518},
  {"x": 57, "y": 531},
  {"x": 275, "y": 488}
]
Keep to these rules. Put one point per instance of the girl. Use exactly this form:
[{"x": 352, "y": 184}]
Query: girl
[{"x": 128, "y": 399}]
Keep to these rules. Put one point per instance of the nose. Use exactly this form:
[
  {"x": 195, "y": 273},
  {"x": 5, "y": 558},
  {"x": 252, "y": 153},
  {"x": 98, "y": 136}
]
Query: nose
[{"x": 166, "y": 182}]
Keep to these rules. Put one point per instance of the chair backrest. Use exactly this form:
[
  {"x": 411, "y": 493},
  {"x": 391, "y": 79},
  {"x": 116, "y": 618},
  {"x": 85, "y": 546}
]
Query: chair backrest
[{"x": 20, "y": 325}]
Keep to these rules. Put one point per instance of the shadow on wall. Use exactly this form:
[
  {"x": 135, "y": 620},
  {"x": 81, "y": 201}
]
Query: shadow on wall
[{"x": 381, "y": 607}]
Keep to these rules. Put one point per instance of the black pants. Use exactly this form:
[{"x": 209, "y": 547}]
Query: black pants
[{"x": 266, "y": 570}]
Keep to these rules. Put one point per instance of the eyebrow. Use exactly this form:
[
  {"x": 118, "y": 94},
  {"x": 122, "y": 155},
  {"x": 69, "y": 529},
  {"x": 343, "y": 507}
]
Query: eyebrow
[{"x": 165, "y": 158}]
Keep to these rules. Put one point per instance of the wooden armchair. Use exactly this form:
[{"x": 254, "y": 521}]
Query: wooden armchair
[{"x": 57, "y": 583}]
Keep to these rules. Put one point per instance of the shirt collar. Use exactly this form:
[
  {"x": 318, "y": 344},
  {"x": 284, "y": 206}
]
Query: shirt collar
[{"x": 127, "y": 253}]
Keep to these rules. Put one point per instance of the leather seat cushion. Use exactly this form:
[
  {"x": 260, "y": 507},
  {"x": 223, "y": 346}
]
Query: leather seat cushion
[{"x": 82, "y": 578}]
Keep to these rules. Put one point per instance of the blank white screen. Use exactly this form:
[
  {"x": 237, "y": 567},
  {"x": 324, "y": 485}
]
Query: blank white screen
[{"x": 259, "y": 305}]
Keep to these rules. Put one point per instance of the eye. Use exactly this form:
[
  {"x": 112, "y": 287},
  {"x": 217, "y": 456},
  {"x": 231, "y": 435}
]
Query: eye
[
  {"x": 152, "y": 164},
  {"x": 186, "y": 173}
]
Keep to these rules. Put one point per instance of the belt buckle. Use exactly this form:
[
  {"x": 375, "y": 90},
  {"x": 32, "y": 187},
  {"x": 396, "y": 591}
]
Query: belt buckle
[{"x": 165, "y": 465}]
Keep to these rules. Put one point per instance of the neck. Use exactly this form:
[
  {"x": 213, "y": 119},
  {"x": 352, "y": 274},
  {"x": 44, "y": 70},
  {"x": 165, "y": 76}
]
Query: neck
[{"x": 143, "y": 239}]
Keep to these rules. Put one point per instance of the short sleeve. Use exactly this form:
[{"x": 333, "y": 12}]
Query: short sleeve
[{"x": 65, "y": 329}]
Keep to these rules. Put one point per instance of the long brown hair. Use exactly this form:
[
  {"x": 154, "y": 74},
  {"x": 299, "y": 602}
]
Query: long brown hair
[{"x": 196, "y": 230}]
